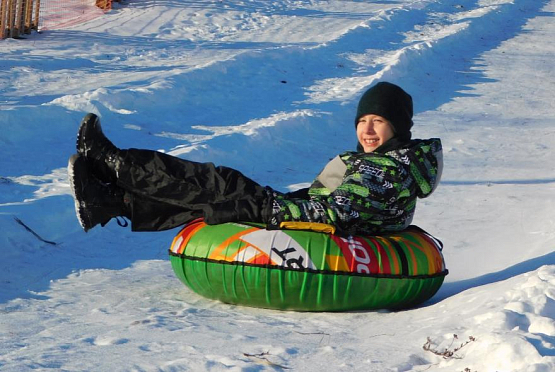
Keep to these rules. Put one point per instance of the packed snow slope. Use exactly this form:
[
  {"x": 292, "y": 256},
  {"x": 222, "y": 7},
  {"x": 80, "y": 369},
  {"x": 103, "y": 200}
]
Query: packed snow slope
[{"x": 270, "y": 88}]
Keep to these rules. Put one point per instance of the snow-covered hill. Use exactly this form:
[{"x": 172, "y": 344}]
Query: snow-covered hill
[{"x": 270, "y": 88}]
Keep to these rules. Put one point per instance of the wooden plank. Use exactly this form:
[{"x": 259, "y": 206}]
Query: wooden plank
[
  {"x": 3, "y": 6},
  {"x": 19, "y": 13},
  {"x": 37, "y": 15},
  {"x": 28, "y": 16},
  {"x": 11, "y": 17}
]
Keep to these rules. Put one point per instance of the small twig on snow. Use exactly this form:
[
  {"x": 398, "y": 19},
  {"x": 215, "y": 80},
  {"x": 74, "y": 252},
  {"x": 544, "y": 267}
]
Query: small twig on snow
[
  {"x": 262, "y": 357},
  {"x": 323, "y": 334},
  {"x": 382, "y": 334},
  {"x": 312, "y": 333},
  {"x": 447, "y": 353},
  {"x": 32, "y": 232}
]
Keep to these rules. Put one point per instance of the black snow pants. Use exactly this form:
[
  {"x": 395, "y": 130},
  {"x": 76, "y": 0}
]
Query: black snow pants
[{"x": 163, "y": 192}]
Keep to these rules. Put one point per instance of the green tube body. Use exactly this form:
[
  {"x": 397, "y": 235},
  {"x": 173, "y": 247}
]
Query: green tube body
[{"x": 247, "y": 265}]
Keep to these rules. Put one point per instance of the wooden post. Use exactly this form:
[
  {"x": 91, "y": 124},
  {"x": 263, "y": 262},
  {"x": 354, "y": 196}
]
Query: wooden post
[
  {"x": 37, "y": 14},
  {"x": 3, "y": 5},
  {"x": 20, "y": 18},
  {"x": 28, "y": 16},
  {"x": 11, "y": 17}
]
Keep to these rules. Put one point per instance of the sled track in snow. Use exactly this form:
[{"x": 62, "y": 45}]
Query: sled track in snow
[{"x": 412, "y": 53}]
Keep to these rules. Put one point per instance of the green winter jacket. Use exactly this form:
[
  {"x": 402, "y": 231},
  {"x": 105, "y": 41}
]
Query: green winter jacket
[{"x": 366, "y": 193}]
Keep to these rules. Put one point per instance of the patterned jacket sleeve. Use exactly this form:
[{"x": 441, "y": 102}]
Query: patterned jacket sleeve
[
  {"x": 370, "y": 185},
  {"x": 285, "y": 208}
]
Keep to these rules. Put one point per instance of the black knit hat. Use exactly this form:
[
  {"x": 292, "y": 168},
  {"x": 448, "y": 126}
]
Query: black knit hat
[{"x": 391, "y": 102}]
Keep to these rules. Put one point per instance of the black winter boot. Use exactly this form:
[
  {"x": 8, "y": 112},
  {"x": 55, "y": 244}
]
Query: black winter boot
[
  {"x": 95, "y": 202},
  {"x": 103, "y": 157}
]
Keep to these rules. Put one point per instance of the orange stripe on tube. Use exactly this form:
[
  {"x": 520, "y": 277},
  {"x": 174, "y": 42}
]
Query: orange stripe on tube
[
  {"x": 428, "y": 249},
  {"x": 385, "y": 265},
  {"x": 185, "y": 236},
  {"x": 396, "y": 268},
  {"x": 436, "y": 257},
  {"x": 402, "y": 242},
  {"x": 217, "y": 254}
]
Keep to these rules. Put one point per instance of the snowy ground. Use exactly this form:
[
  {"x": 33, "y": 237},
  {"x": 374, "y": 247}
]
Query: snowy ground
[{"x": 270, "y": 88}]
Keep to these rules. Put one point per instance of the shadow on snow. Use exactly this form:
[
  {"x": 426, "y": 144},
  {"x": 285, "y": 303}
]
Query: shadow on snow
[{"x": 454, "y": 288}]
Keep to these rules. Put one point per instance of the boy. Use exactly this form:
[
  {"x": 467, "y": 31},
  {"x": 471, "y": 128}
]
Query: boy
[{"x": 365, "y": 192}]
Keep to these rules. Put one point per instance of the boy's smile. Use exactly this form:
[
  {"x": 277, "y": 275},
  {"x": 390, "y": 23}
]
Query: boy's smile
[{"x": 373, "y": 131}]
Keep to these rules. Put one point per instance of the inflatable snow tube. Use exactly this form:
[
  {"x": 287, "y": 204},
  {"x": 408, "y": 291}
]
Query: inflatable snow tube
[{"x": 307, "y": 271}]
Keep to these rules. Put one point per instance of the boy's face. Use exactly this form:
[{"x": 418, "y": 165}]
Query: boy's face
[{"x": 373, "y": 131}]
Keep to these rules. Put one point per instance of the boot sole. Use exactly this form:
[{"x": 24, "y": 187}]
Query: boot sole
[
  {"x": 89, "y": 119},
  {"x": 96, "y": 152},
  {"x": 76, "y": 161}
]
